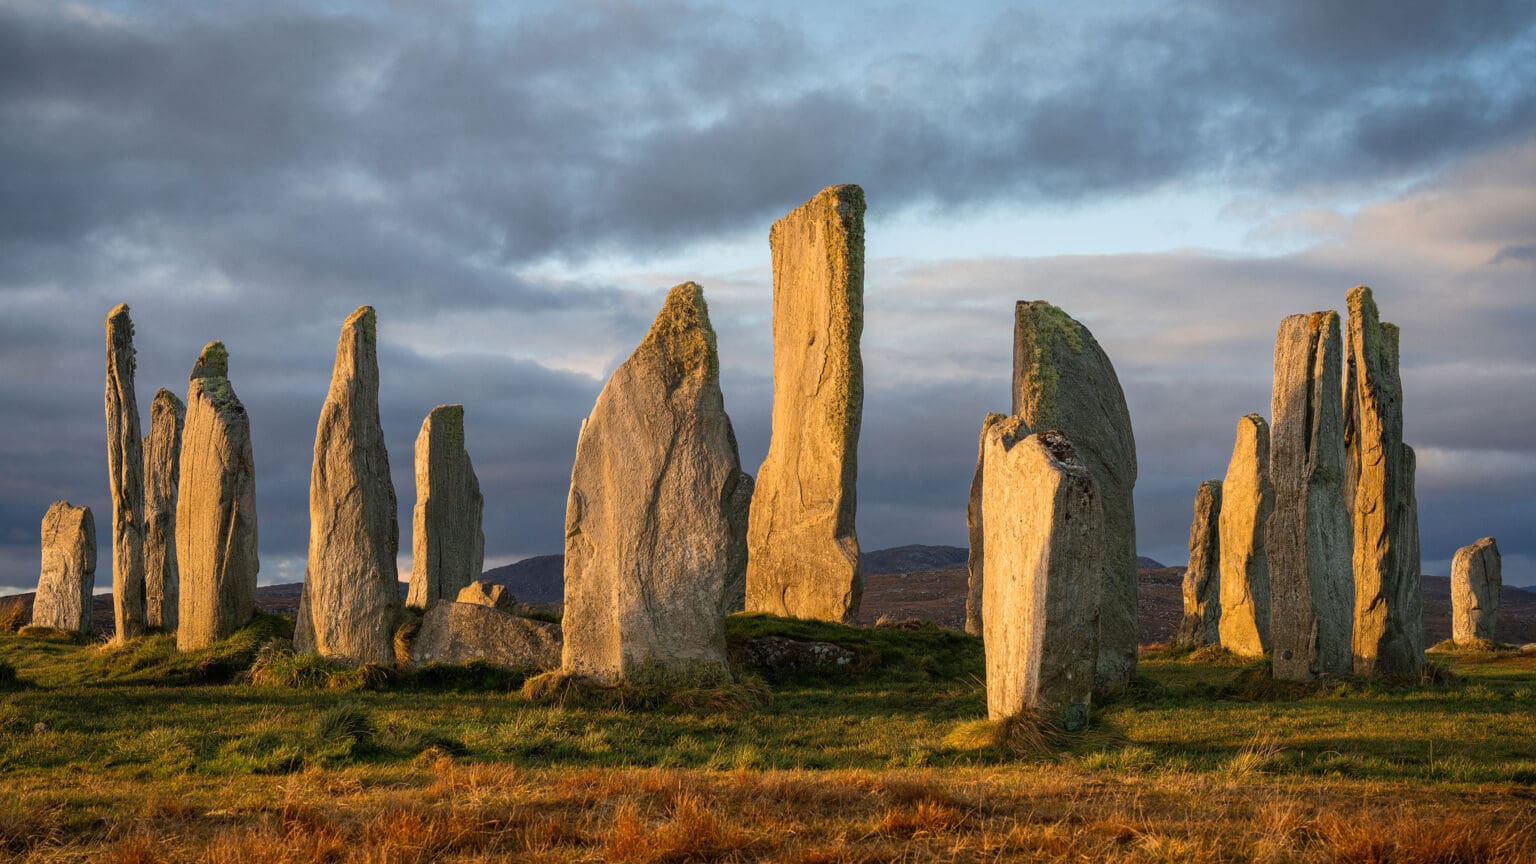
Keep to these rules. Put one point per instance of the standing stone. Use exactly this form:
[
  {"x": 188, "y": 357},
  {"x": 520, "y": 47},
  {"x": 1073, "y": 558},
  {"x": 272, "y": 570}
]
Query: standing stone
[
  {"x": 1308, "y": 534},
  {"x": 162, "y": 474},
  {"x": 1477, "y": 577},
  {"x": 125, "y": 473},
  {"x": 68, "y": 577},
  {"x": 215, "y": 509},
  {"x": 1202, "y": 578},
  {"x": 351, "y": 595},
  {"x": 1044, "y": 546},
  {"x": 804, "y": 552},
  {"x": 447, "y": 543},
  {"x": 1387, "y": 636},
  {"x": 1410, "y": 587},
  {"x": 651, "y": 536},
  {"x": 1247, "y": 500},
  {"x": 1063, "y": 380},
  {"x": 974, "y": 562}
]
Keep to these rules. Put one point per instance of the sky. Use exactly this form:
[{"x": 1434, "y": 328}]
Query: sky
[{"x": 515, "y": 186}]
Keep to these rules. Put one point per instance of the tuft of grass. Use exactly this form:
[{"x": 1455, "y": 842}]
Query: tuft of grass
[
  {"x": 53, "y": 634},
  {"x": 276, "y": 666},
  {"x": 1027, "y": 735},
  {"x": 15, "y": 612},
  {"x": 407, "y": 625}
]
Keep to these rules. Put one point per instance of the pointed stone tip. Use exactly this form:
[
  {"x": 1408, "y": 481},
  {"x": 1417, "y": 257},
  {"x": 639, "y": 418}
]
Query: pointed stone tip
[
  {"x": 118, "y": 311},
  {"x": 1359, "y": 294},
  {"x": 164, "y": 396},
  {"x": 681, "y": 336},
  {"x": 213, "y": 362},
  {"x": 365, "y": 319}
]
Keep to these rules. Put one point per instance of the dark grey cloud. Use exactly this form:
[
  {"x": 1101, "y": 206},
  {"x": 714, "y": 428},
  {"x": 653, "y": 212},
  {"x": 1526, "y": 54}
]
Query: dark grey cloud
[{"x": 253, "y": 172}]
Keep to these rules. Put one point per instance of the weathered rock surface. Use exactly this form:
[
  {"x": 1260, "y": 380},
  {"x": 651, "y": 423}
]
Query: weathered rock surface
[
  {"x": 740, "y": 510},
  {"x": 1387, "y": 637},
  {"x": 447, "y": 542},
  {"x": 804, "y": 559},
  {"x": 1044, "y": 551},
  {"x": 351, "y": 597},
  {"x": 1063, "y": 380},
  {"x": 1477, "y": 577},
  {"x": 125, "y": 473},
  {"x": 216, "y": 537},
  {"x": 162, "y": 475},
  {"x": 1247, "y": 500},
  {"x": 777, "y": 657},
  {"x": 68, "y": 576},
  {"x": 1308, "y": 534},
  {"x": 487, "y": 594},
  {"x": 651, "y": 533},
  {"x": 977, "y": 537},
  {"x": 1202, "y": 578},
  {"x": 461, "y": 632}
]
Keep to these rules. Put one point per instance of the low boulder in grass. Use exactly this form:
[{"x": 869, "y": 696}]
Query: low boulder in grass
[
  {"x": 777, "y": 657},
  {"x": 488, "y": 594},
  {"x": 461, "y": 632}
]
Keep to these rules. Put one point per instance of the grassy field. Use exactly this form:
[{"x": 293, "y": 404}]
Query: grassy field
[{"x": 137, "y": 753}]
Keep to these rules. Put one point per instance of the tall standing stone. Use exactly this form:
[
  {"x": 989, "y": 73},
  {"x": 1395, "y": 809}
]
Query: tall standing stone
[
  {"x": 804, "y": 552},
  {"x": 162, "y": 474},
  {"x": 125, "y": 473},
  {"x": 1477, "y": 577},
  {"x": 68, "y": 577},
  {"x": 1202, "y": 578},
  {"x": 1308, "y": 534},
  {"x": 1043, "y": 548},
  {"x": 652, "y": 528},
  {"x": 447, "y": 543},
  {"x": 351, "y": 595},
  {"x": 1247, "y": 500},
  {"x": 216, "y": 556},
  {"x": 1063, "y": 380},
  {"x": 1388, "y": 637},
  {"x": 975, "y": 562}
]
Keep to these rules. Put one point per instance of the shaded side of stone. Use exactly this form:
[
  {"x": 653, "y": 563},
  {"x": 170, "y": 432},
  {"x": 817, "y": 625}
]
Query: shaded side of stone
[
  {"x": 68, "y": 575},
  {"x": 1063, "y": 380},
  {"x": 216, "y": 537},
  {"x": 1247, "y": 500},
  {"x": 804, "y": 550},
  {"x": 976, "y": 535},
  {"x": 461, "y": 632},
  {"x": 125, "y": 474},
  {"x": 162, "y": 476},
  {"x": 351, "y": 597},
  {"x": 1308, "y": 534},
  {"x": 1202, "y": 578},
  {"x": 1477, "y": 577},
  {"x": 447, "y": 541},
  {"x": 1044, "y": 562},
  {"x": 653, "y": 528}
]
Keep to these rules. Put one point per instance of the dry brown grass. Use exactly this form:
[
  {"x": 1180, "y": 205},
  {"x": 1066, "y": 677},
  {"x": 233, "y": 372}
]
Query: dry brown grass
[{"x": 453, "y": 812}]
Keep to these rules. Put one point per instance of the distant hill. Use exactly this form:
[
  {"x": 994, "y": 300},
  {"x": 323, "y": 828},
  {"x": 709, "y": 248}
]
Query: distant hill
[
  {"x": 1145, "y": 563},
  {"x": 910, "y": 559},
  {"x": 540, "y": 579}
]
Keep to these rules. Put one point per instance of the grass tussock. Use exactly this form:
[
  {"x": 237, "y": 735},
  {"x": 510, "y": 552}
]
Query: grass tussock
[
  {"x": 53, "y": 634},
  {"x": 1024, "y": 736},
  {"x": 15, "y": 613}
]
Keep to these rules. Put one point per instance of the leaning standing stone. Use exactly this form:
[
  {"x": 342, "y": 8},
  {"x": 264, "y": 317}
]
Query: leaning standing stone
[
  {"x": 650, "y": 536},
  {"x": 974, "y": 562},
  {"x": 1308, "y": 535},
  {"x": 1202, "y": 578},
  {"x": 1477, "y": 577},
  {"x": 1246, "y": 503},
  {"x": 804, "y": 552},
  {"x": 1063, "y": 380},
  {"x": 447, "y": 543},
  {"x": 68, "y": 577},
  {"x": 1387, "y": 637},
  {"x": 162, "y": 474},
  {"x": 215, "y": 509},
  {"x": 1044, "y": 546},
  {"x": 351, "y": 594},
  {"x": 125, "y": 472}
]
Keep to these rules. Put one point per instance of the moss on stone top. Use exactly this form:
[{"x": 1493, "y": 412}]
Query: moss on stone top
[
  {"x": 1045, "y": 324},
  {"x": 167, "y": 398},
  {"x": 213, "y": 362},
  {"x": 682, "y": 340}
]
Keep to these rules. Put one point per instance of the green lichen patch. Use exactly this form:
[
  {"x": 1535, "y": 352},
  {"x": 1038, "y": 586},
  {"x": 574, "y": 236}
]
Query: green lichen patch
[
  {"x": 213, "y": 362},
  {"x": 682, "y": 340},
  {"x": 1040, "y": 327}
]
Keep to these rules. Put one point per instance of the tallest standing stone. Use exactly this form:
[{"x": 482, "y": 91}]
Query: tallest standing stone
[
  {"x": 1063, "y": 380},
  {"x": 1389, "y": 618},
  {"x": 803, "y": 553},
  {"x": 351, "y": 595},
  {"x": 125, "y": 474}
]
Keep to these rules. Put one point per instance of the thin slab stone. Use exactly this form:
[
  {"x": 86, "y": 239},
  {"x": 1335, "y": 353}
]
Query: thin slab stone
[{"x": 1247, "y": 500}]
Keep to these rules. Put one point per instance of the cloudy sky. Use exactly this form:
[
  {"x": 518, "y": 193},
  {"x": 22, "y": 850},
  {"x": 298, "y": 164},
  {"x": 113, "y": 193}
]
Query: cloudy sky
[{"x": 515, "y": 190}]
